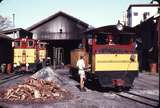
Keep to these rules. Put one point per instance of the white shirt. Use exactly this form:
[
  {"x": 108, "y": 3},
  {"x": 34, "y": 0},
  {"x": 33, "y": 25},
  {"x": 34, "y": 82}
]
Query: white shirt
[{"x": 81, "y": 64}]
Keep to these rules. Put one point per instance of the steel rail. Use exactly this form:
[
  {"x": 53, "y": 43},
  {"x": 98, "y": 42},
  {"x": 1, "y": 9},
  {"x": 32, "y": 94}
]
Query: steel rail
[
  {"x": 143, "y": 96},
  {"x": 10, "y": 78},
  {"x": 133, "y": 99}
]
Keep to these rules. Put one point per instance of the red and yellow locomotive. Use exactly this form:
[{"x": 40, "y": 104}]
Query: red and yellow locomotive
[
  {"x": 111, "y": 55},
  {"x": 28, "y": 52}
]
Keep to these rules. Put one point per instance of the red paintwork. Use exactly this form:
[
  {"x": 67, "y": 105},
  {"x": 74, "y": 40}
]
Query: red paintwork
[
  {"x": 25, "y": 46},
  {"x": 117, "y": 46},
  {"x": 25, "y": 40},
  {"x": 118, "y": 82}
]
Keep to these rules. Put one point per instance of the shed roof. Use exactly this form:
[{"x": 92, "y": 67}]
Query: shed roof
[
  {"x": 60, "y": 13},
  {"x": 4, "y": 36},
  {"x": 22, "y": 32},
  {"x": 111, "y": 29},
  {"x": 11, "y": 31},
  {"x": 138, "y": 27}
]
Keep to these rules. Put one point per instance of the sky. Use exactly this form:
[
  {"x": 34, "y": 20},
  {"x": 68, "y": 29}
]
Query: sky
[{"x": 93, "y": 12}]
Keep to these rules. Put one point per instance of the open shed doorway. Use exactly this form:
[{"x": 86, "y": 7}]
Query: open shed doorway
[
  {"x": 6, "y": 51},
  {"x": 59, "y": 50}
]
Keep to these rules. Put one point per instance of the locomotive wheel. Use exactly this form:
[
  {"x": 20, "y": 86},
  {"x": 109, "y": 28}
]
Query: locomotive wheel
[{"x": 119, "y": 88}]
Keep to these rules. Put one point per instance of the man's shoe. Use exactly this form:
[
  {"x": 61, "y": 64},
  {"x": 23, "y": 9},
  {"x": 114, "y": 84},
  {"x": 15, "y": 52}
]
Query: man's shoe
[{"x": 83, "y": 90}]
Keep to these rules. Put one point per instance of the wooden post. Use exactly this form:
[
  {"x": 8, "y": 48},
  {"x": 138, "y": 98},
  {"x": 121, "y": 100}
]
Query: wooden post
[
  {"x": 158, "y": 28},
  {"x": 9, "y": 68}
]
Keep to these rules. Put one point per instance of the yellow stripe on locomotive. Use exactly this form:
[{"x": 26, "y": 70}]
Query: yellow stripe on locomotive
[
  {"x": 29, "y": 56},
  {"x": 115, "y": 62},
  {"x": 42, "y": 54}
]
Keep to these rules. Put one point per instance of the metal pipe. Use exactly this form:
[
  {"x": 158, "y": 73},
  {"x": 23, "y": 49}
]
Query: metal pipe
[{"x": 13, "y": 20}]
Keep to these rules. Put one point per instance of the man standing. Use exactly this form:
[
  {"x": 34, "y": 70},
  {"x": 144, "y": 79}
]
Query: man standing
[{"x": 81, "y": 66}]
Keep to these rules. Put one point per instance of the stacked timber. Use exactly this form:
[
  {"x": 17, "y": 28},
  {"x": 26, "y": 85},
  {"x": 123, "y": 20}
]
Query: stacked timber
[
  {"x": 44, "y": 85},
  {"x": 34, "y": 89}
]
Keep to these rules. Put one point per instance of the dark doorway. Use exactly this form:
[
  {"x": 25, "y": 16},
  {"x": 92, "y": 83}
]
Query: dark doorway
[
  {"x": 65, "y": 45},
  {"x": 6, "y": 51}
]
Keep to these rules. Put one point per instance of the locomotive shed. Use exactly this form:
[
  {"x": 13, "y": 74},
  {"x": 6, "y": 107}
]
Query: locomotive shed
[{"x": 62, "y": 32}]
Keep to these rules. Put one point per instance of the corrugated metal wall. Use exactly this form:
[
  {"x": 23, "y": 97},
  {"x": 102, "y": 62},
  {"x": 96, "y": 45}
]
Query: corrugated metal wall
[
  {"x": 6, "y": 52},
  {"x": 62, "y": 32},
  {"x": 59, "y": 28}
]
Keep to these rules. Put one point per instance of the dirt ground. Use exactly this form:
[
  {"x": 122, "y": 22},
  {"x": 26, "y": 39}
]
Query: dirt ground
[{"x": 145, "y": 84}]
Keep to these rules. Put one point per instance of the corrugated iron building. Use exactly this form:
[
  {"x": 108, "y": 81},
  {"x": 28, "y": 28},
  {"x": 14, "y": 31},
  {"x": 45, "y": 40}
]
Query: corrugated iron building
[
  {"x": 62, "y": 32},
  {"x": 148, "y": 40},
  {"x": 17, "y": 33},
  {"x": 6, "y": 52}
]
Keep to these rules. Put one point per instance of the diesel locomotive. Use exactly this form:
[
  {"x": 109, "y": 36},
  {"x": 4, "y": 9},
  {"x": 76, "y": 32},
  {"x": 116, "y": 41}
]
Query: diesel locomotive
[
  {"x": 110, "y": 56},
  {"x": 28, "y": 53}
]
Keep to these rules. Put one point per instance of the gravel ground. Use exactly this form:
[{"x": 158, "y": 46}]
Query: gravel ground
[{"x": 93, "y": 98}]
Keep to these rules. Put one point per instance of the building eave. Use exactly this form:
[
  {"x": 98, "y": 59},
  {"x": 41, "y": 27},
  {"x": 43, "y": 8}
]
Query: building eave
[
  {"x": 11, "y": 31},
  {"x": 111, "y": 29},
  {"x": 4, "y": 36},
  {"x": 143, "y": 5},
  {"x": 60, "y": 13}
]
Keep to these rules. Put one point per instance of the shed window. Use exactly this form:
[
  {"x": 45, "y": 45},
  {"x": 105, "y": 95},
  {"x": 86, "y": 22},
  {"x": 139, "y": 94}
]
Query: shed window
[
  {"x": 135, "y": 13},
  {"x": 147, "y": 13}
]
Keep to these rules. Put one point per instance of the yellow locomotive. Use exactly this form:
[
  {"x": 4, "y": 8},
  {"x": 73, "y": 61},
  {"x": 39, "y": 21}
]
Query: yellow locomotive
[
  {"x": 27, "y": 53},
  {"x": 111, "y": 56}
]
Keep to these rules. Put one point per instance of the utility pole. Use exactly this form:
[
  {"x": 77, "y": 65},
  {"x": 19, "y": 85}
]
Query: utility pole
[
  {"x": 14, "y": 35},
  {"x": 13, "y": 20}
]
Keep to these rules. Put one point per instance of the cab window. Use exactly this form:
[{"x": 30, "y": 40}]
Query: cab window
[
  {"x": 124, "y": 40},
  {"x": 42, "y": 45},
  {"x": 30, "y": 43},
  {"x": 101, "y": 39},
  {"x": 17, "y": 43}
]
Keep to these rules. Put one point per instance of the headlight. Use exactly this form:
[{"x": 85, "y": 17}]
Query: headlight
[
  {"x": 15, "y": 65},
  {"x": 27, "y": 64}
]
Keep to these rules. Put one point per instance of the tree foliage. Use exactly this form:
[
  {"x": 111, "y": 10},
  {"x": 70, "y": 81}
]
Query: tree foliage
[
  {"x": 5, "y": 23},
  {"x": 1, "y": 1},
  {"x": 156, "y": 1}
]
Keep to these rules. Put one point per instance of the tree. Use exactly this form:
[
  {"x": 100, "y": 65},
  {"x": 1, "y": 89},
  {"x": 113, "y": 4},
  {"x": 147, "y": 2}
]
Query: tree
[
  {"x": 5, "y": 23},
  {"x": 1, "y": 1},
  {"x": 156, "y": 1}
]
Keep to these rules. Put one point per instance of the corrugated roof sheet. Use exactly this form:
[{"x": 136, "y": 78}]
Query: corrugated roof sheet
[{"x": 4, "y": 36}]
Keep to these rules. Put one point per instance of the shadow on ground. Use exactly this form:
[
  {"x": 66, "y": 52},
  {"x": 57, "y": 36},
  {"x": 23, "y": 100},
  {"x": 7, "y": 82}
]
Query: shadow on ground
[{"x": 93, "y": 84}]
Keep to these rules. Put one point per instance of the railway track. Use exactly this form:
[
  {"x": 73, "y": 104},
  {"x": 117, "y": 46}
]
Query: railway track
[
  {"x": 139, "y": 98},
  {"x": 9, "y": 78}
]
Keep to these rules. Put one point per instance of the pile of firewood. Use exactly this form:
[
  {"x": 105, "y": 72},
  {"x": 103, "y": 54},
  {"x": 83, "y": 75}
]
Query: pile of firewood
[{"x": 33, "y": 89}]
